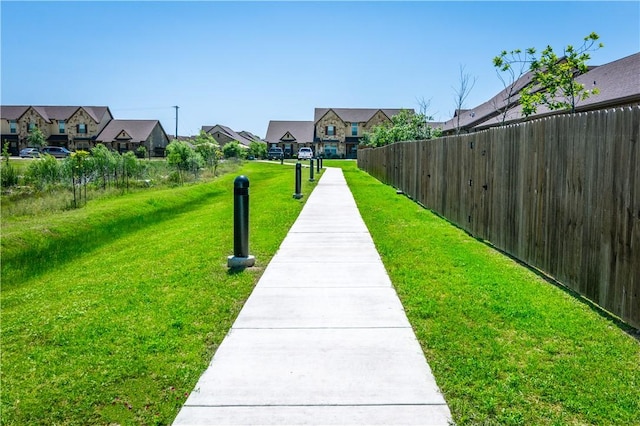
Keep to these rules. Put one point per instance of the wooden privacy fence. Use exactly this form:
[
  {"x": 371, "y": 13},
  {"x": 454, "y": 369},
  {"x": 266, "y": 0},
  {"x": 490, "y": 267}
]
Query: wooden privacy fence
[{"x": 561, "y": 194}]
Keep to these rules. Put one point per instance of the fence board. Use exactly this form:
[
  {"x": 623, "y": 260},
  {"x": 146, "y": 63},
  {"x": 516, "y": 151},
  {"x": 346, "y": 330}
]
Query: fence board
[{"x": 561, "y": 193}]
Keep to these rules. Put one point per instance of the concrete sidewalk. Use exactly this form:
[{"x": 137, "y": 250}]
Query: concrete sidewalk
[{"x": 323, "y": 338}]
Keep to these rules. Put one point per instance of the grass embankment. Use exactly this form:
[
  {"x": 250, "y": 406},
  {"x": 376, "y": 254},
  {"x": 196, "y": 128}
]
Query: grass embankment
[
  {"x": 506, "y": 347},
  {"x": 110, "y": 313}
]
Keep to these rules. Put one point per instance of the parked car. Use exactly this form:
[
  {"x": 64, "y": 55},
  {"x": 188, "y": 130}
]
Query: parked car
[
  {"x": 56, "y": 151},
  {"x": 29, "y": 153},
  {"x": 305, "y": 153},
  {"x": 275, "y": 153}
]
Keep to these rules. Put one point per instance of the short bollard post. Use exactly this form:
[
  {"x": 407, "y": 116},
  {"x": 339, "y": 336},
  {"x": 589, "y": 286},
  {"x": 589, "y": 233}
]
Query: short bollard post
[
  {"x": 297, "y": 194},
  {"x": 321, "y": 162},
  {"x": 311, "y": 170},
  {"x": 318, "y": 165},
  {"x": 241, "y": 257},
  {"x": 282, "y": 159}
]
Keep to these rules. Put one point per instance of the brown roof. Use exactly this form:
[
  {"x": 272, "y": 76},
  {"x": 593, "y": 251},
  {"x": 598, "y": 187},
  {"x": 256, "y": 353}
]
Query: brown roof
[
  {"x": 302, "y": 131},
  {"x": 618, "y": 82},
  {"x": 138, "y": 130},
  {"x": 355, "y": 115},
  {"x": 229, "y": 132},
  {"x": 14, "y": 112}
]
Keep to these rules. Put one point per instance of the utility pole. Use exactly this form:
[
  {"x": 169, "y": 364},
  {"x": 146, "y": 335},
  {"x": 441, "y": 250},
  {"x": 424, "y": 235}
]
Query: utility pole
[{"x": 176, "y": 107}]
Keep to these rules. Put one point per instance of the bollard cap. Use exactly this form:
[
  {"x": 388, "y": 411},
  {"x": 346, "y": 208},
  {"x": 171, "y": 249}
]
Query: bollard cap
[{"x": 241, "y": 182}]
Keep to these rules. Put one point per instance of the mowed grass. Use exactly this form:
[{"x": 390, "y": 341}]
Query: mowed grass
[
  {"x": 506, "y": 347},
  {"x": 110, "y": 313}
]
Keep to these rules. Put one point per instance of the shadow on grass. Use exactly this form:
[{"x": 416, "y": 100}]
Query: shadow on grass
[
  {"x": 623, "y": 326},
  {"x": 35, "y": 261}
]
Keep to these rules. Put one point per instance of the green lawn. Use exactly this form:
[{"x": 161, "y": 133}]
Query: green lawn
[
  {"x": 110, "y": 313},
  {"x": 506, "y": 346}
]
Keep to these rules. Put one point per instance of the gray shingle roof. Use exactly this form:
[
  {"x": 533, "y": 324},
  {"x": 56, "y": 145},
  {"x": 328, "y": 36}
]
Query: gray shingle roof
[
  {"x": 302, "y": 131},
  {"x": 139, "y": 130}
]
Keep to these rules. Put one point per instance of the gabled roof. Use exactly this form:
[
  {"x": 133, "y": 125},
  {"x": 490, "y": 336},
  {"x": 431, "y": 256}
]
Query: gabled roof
[
  {"x": 355, "y": 115},
  {"x": 228, "y": 132},
  {"x": 12, "y": 112},
  {"x": 302, "y": 131},
  {"x": 250, "y": 136},
  {"x": 48, "y": 113},
  {"x": 138, "y": 130},
  {"x": 618, "y": 82}
]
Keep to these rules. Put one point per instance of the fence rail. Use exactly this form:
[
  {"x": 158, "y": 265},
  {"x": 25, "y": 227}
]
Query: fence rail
[{"x": 561, "y": 194}]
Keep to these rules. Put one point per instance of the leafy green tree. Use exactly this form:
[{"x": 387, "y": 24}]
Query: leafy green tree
[
  {"x": 404, "y": 126},
  {"x": 129, "y": 166},
  {"x": 141, "y": 151},
  {"x": 36, "y": 138},
  {"x": 258, "y": 149},
  {"x": 104, "y": 163},
  {"x": 233, "y": 150},
  {"x": 554, "y": 78},
  {"x": 209, "y": 150},
  {"x": 183, "y": 158}
]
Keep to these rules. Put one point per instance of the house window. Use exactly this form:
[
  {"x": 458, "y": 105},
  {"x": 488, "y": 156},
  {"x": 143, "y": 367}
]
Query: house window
[
  {"x": 82, "y": 128},
  {"x": 330, "y": 149},
  {"x": 61, "y": 126},
  {"x": 354, "y": 129},
  {"x": 31, "y": 126},
  {"x": 331, "y": 130},
  {"x": 13, "y": 128}
]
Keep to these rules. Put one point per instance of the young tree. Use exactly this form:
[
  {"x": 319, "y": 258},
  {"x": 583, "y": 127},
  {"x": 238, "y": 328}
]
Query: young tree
[
  {"x": 510, "y": 67},
  {"x": 405, "y": 126},
  {"x": 554, "y": 78},
  {"x": 183, "y": 158},
  {"x": 78, "y": 168},
  {"x": 233, "y": 150},
  {"x": 36, "y": 139},
  {"x": 462, "y": 92},
  {"x": 209, "y": 150},
  {"x": 258, "y": 149},
  {"x": 104, "y": 162}
]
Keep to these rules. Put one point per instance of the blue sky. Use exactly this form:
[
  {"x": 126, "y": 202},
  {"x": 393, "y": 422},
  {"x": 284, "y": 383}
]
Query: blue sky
[{"x": 244, "y": 63}]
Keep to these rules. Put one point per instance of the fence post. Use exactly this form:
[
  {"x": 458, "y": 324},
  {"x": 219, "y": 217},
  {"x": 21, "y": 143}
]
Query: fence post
[{"x": 241, "y": 257}]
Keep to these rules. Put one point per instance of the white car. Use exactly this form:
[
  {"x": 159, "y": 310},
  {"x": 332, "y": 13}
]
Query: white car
[{"x": 305, "y": 154}]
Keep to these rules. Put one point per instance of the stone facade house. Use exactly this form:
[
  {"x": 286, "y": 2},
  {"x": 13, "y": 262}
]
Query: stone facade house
[
  {"x": 338, "y": 130},
  {"x": 72, "y": 127},
  {"x": 129, "y": 135},
  {"x": 334, "y": 133}
]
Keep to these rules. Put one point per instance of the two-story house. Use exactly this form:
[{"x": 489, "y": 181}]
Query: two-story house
[
  {"x": 334, "y": 133},
  {"x": 73, "y": 127},
  {"x": 338, "y": 130}
]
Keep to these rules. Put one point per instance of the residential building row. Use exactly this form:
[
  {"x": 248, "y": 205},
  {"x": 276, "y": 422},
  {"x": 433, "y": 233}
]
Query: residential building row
[
  {"x": 79, "y": 127},
  {"x": 334, "y": 132}
]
